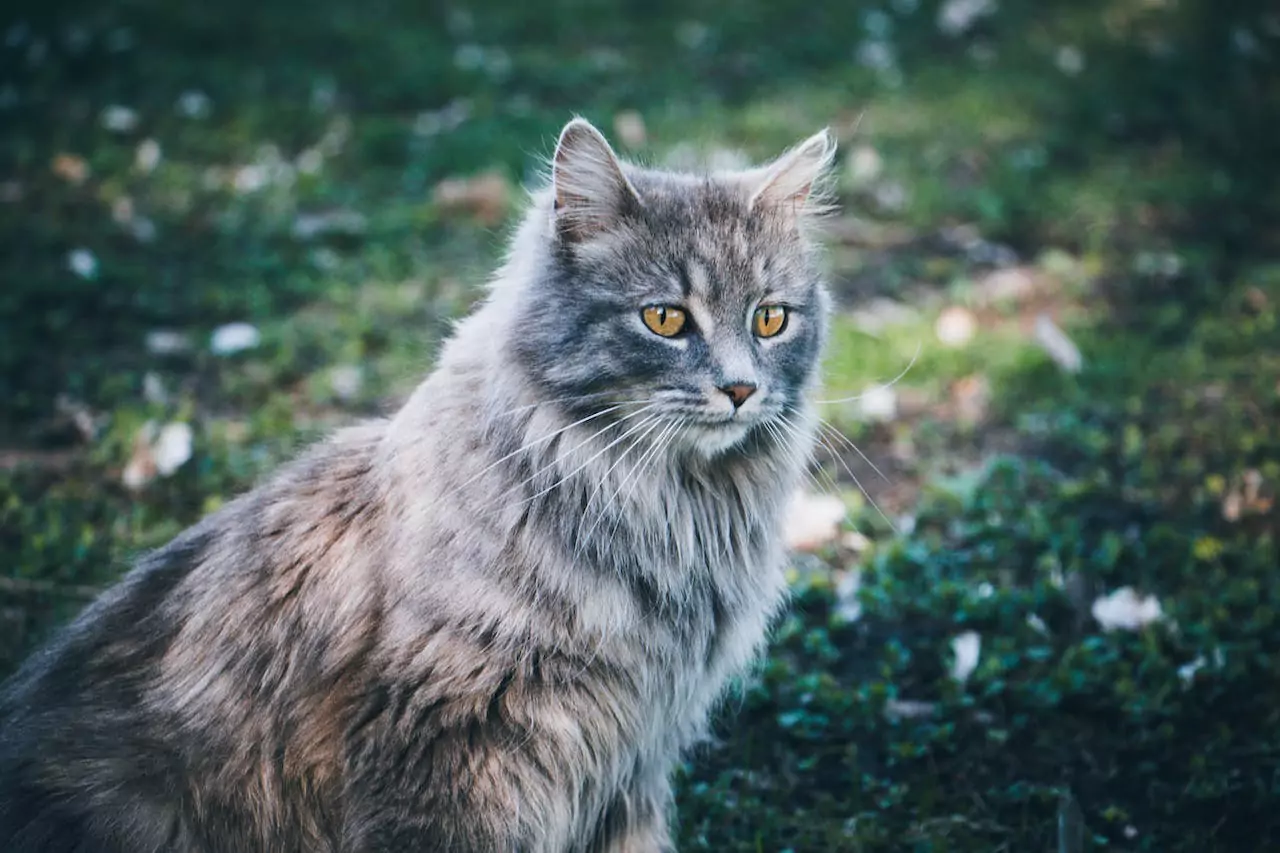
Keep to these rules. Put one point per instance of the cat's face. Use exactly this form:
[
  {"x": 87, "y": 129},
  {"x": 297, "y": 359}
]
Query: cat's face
[{"x": 692, "y": 303}]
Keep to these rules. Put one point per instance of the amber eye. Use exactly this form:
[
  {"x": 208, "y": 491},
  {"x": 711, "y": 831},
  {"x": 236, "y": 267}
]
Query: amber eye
[
  {"x": 769, "y": 320},
  {"x": 665, "y": 320}
]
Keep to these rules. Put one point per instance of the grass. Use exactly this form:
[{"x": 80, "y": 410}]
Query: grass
[{"x": 1135, "y": 191}]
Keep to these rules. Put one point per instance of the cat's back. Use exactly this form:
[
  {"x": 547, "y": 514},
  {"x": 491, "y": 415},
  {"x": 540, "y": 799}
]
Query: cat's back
[{"x": 173, "y": 686}]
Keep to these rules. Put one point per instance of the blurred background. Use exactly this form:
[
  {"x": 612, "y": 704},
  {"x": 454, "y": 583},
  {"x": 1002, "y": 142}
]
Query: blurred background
[{"x": 1036, "y": 578}]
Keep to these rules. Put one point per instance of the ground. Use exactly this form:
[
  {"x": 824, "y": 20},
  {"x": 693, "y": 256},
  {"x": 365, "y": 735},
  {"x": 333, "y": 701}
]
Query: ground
[{"x": 1058, "y": 267}]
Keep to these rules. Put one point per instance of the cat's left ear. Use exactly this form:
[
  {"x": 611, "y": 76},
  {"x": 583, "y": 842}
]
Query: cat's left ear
[
  {"x": 591, "y": 192},
  {"x": 789, "y": 182}
]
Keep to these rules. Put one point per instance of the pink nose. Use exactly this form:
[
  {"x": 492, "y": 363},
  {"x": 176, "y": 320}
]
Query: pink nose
[{"x": 738, "y": 392}]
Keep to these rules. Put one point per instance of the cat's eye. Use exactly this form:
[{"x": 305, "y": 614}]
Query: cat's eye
[
  {"x": 665, "y": 320},
  {"x": 769, "y": 320}
]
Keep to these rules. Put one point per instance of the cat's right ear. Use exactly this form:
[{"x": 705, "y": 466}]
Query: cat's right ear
[{"x": 591, "y": 192}]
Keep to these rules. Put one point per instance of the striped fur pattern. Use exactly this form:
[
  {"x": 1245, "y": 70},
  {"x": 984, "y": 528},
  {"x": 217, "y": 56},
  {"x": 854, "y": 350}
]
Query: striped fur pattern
[{"x": 494, "y": 621}]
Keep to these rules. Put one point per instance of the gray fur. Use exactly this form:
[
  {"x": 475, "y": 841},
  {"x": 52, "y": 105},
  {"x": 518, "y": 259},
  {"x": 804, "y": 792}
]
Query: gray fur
[{"x": 493, "y": 622}]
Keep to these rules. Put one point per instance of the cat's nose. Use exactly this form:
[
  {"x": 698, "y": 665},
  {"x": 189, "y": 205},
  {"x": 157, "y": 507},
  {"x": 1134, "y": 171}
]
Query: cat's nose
[{"x": 738, "y": 392}]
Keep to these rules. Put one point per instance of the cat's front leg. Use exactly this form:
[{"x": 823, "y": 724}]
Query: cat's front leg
[
  {"x": 641, "y": 818},
  {"x": 654, "y": 837}
]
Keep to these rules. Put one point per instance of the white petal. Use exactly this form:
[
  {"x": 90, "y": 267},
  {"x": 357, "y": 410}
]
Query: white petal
[
  {"x": 172, "y": 448},
  {"x": 83, "y": 263},
  {"x": 1125, "y": 610},
  {"x": 233, "y": 338},
  {"x": 966, "y": 648}
]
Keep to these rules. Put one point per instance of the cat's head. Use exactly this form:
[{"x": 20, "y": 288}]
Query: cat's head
[{"x": 697, "y": 295}]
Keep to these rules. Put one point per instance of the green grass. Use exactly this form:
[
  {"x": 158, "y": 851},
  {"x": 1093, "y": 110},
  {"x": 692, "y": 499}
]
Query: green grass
[{"x": 1140, "y": 192}]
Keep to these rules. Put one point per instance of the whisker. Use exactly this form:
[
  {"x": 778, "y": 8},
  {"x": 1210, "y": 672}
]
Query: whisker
[
  {"x": 790, "y": 445},
  {"x": 576, "y": 398},
  {"x": 831, "y": 430},
  {"x": 840, "y": 459},
  {"x": 894, "y": 381},
  {"x": 593, "y": 457},
  {"x": 665, "y": 441},
  {"x": 535, "y": 443},
  {"x": 654, "y": 422},
  {"x": 649, "y": 453}
]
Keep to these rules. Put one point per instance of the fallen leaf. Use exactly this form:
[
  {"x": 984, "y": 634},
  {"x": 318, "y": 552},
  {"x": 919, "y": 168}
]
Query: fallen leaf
[
  {"x": 971, "y": 397},
  {"x": 813, "y": 521},
  {"x": 486, "y": 196},
  {"x": 69, "y": 167},
  {"x": 629, "y": 127},
  {"x": 1010, "y": 284},
  {"x": 157, "y": 451},
  {"x": 1055, "y": 342}
]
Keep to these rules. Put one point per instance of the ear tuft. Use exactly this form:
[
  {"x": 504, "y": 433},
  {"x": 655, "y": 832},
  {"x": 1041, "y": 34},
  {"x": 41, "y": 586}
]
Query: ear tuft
[
  {"x": 793, "y": 181},
  {"x": 591, "y": 192}
]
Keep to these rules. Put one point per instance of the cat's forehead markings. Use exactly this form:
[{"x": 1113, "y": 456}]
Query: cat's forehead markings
[
  {"x": 702, "y": 314},
  {"x": 696, "y": 278},
  {"x": 758, "y": 267}
]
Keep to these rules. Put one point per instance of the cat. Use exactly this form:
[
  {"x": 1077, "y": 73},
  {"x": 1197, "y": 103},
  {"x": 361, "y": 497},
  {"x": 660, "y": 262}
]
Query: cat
[{"x": 496, "y": 620}]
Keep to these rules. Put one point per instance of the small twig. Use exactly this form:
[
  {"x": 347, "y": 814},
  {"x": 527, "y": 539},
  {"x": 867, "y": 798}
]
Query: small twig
[{"x": 27, "y": 586}]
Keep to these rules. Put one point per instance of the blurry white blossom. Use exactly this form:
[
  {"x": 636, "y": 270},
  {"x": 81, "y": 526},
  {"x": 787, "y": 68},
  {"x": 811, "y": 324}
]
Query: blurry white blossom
[
  {"x": 630, "y": 129},
  {"x": 346, "y": 381},
  {"x": 119, "y": 119},
  {"x": 83, "y": 263},
  {"x": 878, "y": 403},
  {"x": 848, "y": 607},
  {"x": 172, "y": 448},
  {"x": 445, "y": 119},
  {"x": 153, "y": 390},
  {"x": 167, "y": 342},
  {"x": 194, "y": 104},
  {"x": 233, "y": 338},
  {"x": 1070, "y": 60},
  {"x": 956, "y": 17},
  {"x": 956, "y": 326},
  {"x": 966, "y": 648},
  {"x": 310, "y": 161},
  {"x": 864, "y": 165},
  {"x": 250, "y": 178},
  {"x": 147, "y": 156},
  {"x": 1125, "y": 610}
]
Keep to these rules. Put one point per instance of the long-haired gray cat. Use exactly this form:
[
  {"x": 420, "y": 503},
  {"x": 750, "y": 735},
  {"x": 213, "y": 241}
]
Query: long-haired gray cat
[{"x": 492, "y": 622}]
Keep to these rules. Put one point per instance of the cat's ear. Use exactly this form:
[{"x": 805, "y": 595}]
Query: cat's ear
[
  {"x": 591, "y": 192},
  {"x": 793, "y": 182}
]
